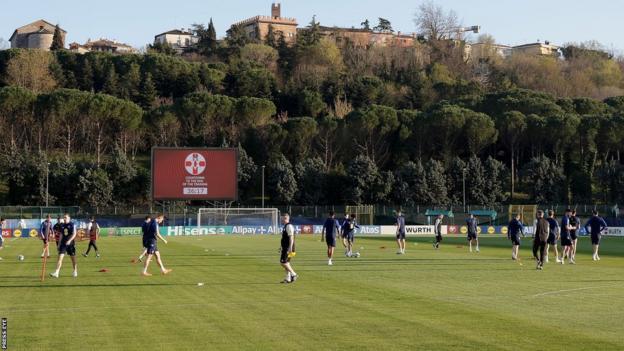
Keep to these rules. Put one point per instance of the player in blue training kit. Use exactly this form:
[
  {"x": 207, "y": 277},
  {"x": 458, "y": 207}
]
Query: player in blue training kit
[
  {"x": 330, "y": 230},
  {"x": 144, "y": 229},
  {"x": 46, "y": 232},
  {"x": 514, "y": 230},
  {"x": 553, "y": 235},
  {"x": 400, "y": 233},
  {"x": 595, "y": 226},
  {"x": 66, "y": 246},
  {"x": 349, "y": 233},
  {"x": 472, "y": 224},
  {"x": 575, "y": 222},
  {"x": 566, "y": 239},
  {"x": 151, "y": 239},
  {"x": 287, "y": 249}
]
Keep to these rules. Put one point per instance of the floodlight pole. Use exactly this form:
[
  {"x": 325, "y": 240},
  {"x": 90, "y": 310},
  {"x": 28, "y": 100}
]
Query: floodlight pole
[{"x": 262, "y": 186}]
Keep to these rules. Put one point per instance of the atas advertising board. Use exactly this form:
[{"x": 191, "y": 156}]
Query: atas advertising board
[{"x": 194, "y": 174}]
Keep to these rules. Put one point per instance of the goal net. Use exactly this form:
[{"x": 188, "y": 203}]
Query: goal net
[{"x": 247, "y": 217}]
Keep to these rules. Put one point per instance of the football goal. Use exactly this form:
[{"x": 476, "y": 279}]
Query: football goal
[{"x": 232, "y": 216}]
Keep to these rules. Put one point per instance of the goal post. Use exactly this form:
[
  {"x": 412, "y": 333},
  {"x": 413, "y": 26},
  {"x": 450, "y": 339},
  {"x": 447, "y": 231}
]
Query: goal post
[{"x": 232, "y": 216}]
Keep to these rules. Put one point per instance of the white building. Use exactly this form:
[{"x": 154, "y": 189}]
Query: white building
[{"x": 179, "y": 39}]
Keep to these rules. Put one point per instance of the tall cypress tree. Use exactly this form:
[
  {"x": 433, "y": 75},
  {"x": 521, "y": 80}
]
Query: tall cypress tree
[
  {"x": 110, "y": 84},
  {"x": 147, "y": 94},
  {"x": 57, "y": 39},
  {"x": 212, "y": 37},
  {"x": 271, "y": 40}
]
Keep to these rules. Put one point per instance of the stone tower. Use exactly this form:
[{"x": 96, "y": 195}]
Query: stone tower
[{"x": 276, "y": 10}]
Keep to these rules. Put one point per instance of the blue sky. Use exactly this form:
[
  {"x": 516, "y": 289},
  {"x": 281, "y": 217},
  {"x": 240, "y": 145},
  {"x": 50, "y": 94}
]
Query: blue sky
[{"x": 137, "y": 21}]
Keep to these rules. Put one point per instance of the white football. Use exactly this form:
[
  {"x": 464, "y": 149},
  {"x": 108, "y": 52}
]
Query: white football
[{"x": 20, "y": 257}]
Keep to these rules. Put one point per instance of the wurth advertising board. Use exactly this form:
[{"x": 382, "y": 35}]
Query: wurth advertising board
[{"x": 195, "y": 174}]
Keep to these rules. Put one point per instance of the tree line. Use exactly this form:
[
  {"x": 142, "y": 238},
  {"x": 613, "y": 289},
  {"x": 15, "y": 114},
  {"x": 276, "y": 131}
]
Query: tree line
[{"x": 332, "y": 124}]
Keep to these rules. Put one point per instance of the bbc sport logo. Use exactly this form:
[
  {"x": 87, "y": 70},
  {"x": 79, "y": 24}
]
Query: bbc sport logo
[{"x": 195, "y": 164}]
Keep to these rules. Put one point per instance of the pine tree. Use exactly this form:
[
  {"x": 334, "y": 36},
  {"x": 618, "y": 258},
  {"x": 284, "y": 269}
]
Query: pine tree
[
  {"x": 476, "y": 183},
  {"x": 147, "y": 92},
  {"x": 131, "y": 83},
  {"x": 86, "y": 75},
  {"x": 437, "y": 183},
  {"x": 57, "y": 39},
  {"x": 110, "y": 84},
  {"x": 366, "y": 24}
]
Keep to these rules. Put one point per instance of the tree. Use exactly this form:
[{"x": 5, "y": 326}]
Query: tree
[
  {"x": 282, "y": 184},
  {"x": 545, "y": 179},
  {"x": 211, "y": 37},
  {"x": 147, "y": 92},
  {"x": 383, "y": 26},
  {"x": 94, "y": 188},
  {"x": 365, "y": 25},
  {"x": 311, "y": 180},
  {"x": 511, "y": 128},
  {"x": 476, "y": 182},
  {"x": 236, "y": 37},
  {"x": 433, "y": 22},
  {"x": 57, "y": 39},
  {"x": 370, "y": 130},
  {"x": 436, "y": 183},
  {"x": 246, "y": 169},
  {"x": 362, "y": 176},
  {"x": 311, "y": 35},
  {"x": 494, "y": 175},
  {"x": 271, "y": 37},
  {"x": 207, "y": 38},
  {"x": 480, "y": 132},
  {"x": 410, "y": 185},
  {"x": 30, "y": 69},
  {"x": 110, "y": 84}
]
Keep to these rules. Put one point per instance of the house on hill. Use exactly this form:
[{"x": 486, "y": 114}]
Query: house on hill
[
  {"x": 35, "y": 35},
  {"x": 102, "y": 45},
  {"x": 178, "y": 39}
]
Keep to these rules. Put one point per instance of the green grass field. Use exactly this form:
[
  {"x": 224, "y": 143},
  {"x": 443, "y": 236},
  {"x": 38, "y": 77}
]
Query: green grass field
[{"x": 425, "y": 300}]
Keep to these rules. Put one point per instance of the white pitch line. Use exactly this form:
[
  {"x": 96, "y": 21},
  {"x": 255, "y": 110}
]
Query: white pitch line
[{"x": 568, "y": 290}]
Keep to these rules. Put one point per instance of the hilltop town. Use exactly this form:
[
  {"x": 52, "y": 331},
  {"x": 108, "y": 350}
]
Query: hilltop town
[{"x": 39, "y": 35}]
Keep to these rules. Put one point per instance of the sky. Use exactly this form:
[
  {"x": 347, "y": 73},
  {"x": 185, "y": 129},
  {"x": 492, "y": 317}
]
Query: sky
[{"x": 136, "y": 22}]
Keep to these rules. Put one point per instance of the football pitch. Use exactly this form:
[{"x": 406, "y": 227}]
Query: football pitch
[{"x": 447, "y": 299}]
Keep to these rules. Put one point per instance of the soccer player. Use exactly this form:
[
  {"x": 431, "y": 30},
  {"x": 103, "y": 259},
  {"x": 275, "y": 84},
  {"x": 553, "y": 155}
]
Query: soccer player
[
  {"x": 350, "y": 234},
  {"x": 575, "y": 222},
  {"x": 514, "y": 230},
  {"x": 595, "y": 226},
  {"x": 566, "y": 240},
  {"x": 58, "y": 228},
  {"x": 553, "y": 235},
  {"x": 330, "y": 229},
  {"x": 144, "y": 229},
  {"x": 472, "y": 224},
  {"x": 66, "y": 246},
  {"x": 344, "y": 230},
  {"x": 542, "y": 232},
  {"x": 2, "y": 228},
  {"x": 400, "y": 233},
  {"x": 151, "y": 239},
  {"x": 45, "y": 234},
  {"x": 287, "y": 245},
  {"x": 437, "y": 228},
  {"x": 94, "y": 234}
]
